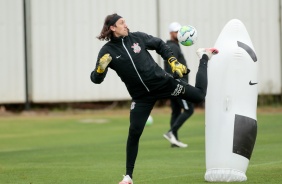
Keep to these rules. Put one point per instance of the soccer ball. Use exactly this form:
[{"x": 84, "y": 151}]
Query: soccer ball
[
  {"x": 187, "y": 35},
  {"x": 149, "y": 120}
]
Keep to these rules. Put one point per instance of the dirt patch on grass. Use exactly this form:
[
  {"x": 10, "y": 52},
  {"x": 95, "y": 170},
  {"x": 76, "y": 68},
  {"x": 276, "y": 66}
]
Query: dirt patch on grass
[{"x": 95, "y": 121}]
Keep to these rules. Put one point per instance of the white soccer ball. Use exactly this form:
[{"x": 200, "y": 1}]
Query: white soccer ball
[
  {"x": 187, "y": 35},
  {"x": 149, "y": 120}
]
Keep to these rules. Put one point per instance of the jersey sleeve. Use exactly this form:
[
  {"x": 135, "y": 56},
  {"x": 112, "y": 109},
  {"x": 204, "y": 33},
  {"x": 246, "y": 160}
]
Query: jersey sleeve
[
  {"x": 157, "y": 44},
  {"x": 96, "y": 77},
  {"x": 179, "y": 56},
  {"x": 175, "y": 51}
]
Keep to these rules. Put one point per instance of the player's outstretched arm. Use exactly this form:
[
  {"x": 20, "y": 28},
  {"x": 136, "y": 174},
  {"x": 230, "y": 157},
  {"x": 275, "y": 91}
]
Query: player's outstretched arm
[
  {"x": 97, "y": 76},
  {"x": 157, "y": 44},
  {"x": 177, "y": 68}
]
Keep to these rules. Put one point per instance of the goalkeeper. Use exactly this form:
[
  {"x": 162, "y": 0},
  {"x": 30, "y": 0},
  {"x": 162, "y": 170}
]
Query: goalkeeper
[{"x": 127, "y": 53}]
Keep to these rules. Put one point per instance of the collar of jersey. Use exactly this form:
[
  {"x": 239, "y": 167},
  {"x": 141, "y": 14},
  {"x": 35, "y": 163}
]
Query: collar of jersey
[{"x": 118, "y": 39}]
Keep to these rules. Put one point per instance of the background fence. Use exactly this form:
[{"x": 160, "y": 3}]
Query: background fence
[{"x": 57, "y": 40}]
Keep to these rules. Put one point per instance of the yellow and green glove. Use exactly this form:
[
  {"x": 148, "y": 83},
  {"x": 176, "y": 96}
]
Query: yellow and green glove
[
  {"x": 177, "y": 68},
  {"x": 103, "y": 63}
]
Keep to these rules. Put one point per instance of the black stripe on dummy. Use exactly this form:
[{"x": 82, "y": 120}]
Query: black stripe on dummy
[
  {"x": 245, "y": 133},
  {"x": 249, "y": 50}
]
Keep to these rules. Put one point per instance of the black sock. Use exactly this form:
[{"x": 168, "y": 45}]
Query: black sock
[{"x": 205, "y": 57}]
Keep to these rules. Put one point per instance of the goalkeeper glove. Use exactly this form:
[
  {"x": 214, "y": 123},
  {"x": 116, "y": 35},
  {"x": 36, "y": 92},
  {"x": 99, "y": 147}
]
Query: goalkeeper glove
[
  {"x": 177, "y": 68},
  {"x": 103, "y": 63}
]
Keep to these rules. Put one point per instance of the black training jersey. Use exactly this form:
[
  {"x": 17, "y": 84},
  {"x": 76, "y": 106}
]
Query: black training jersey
[{"x": 134, "y": 64}]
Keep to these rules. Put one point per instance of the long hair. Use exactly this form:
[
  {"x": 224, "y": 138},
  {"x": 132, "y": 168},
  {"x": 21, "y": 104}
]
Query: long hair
[{"x": 106, "y": 33}]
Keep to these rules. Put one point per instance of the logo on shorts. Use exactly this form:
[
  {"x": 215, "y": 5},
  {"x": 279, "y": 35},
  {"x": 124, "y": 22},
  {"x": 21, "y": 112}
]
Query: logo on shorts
[
  {"x": 132, "y": 105},
  {"x": 177, "y": 90},
  {"x": 136, "y": 47}
]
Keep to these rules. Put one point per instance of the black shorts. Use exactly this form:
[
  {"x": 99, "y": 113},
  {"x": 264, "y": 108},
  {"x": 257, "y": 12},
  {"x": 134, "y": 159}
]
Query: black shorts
[{"x": 171, "y": 89}]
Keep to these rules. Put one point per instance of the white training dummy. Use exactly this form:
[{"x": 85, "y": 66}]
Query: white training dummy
[{"x": 231, "y": 103}]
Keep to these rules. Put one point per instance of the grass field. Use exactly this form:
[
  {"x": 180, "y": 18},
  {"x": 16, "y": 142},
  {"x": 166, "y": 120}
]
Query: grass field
[{"x": 89, "y": 148}]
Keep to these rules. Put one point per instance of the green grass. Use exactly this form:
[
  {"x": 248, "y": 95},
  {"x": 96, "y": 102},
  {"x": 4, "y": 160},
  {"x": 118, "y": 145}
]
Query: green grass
[{"x": 61, "y": 148}]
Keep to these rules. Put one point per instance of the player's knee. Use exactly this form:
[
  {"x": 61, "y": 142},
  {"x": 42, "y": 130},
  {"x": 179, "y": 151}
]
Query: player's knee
[
  {"x": 199, "y": 97},
  {"x": 190, "y": 110},
  {"x": 175, "y": 112}
]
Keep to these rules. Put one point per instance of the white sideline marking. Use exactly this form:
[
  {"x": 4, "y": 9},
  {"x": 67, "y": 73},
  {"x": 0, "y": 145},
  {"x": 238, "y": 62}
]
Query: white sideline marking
[{"x": 97, "y": 121}]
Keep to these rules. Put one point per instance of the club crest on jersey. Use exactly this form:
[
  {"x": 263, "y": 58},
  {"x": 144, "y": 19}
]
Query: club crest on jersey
[{"x": 136, "y": 47}]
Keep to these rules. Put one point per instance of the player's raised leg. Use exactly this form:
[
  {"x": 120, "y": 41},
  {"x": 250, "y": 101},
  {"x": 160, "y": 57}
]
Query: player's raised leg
[{"x": 197, "y": 94}]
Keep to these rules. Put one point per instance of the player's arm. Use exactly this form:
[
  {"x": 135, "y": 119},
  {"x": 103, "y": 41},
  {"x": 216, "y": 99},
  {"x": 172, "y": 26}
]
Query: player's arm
[
  {"x": 176, "y": 68},
  {"x": 98, "y": 74},
  {"x": 174, "y": 50},
  {"x": 157, "y": 44},
  {"x": 154, "y": 43}
]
